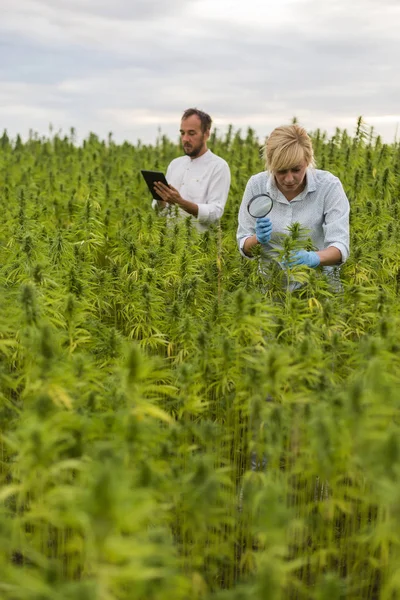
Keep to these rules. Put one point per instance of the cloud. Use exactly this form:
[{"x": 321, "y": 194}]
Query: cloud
[
  {"x": 138, "y": 10},
  {"x": 134, "y": 66}
]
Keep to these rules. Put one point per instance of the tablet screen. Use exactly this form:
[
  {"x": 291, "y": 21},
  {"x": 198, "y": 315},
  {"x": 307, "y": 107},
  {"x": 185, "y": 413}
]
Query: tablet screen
[{"x": 150, "y": 178}]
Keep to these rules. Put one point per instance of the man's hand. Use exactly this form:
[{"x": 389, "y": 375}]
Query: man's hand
[{"x": 168, "y": 193}]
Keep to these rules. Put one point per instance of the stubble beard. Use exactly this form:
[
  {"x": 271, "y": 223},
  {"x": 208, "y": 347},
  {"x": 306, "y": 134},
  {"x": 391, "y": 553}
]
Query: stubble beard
[{"x": 194, "y": 152}]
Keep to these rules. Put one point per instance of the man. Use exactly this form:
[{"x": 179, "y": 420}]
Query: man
[{"x": 199, "y": 181}]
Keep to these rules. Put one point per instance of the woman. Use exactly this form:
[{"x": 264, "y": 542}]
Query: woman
[{"x": 313, "y": 198}]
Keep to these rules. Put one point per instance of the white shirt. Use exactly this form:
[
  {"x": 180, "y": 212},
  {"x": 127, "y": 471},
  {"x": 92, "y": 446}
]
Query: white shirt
[
  {"x": 322, "y": 208},
  {"x": 205, "y": 181}
]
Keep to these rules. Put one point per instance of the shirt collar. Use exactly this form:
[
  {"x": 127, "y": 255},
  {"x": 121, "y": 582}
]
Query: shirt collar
[
  {"x": 311, "y": 184},
  {"x": 204, "y": 156}
]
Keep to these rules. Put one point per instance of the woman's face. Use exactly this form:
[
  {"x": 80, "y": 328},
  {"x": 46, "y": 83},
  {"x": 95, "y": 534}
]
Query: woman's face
[{"x": 292, "y": 181}]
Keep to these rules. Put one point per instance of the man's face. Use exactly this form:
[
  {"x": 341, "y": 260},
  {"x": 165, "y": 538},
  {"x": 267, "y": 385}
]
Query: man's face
[{"x": 194, "y": 140}]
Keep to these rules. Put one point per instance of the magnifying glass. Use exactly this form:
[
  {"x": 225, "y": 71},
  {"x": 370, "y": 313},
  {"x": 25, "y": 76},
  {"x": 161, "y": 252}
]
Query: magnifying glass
[{"x": 260, "y": 205}]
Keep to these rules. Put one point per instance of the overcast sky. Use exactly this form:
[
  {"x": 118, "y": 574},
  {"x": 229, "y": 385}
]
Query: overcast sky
[{"x": 133, "y": 66}]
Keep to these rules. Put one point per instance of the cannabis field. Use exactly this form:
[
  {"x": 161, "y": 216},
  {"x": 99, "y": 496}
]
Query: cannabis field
[{"x": 145, "y": 368}]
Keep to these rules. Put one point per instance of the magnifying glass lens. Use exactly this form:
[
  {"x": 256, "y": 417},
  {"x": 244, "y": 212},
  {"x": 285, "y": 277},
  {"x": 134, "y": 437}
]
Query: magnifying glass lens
[{"x": 260, "y": 205}]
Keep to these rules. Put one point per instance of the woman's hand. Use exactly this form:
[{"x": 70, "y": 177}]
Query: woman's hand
[
  {"x": 263, "y": 230},
  {"x": 302, "y": 257}
]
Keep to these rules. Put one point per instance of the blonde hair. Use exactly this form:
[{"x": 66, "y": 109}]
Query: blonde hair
[{"x": 287, "y": 147}]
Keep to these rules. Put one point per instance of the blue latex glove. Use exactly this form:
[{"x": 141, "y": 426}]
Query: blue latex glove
[
  {"x": 302, "y": 257},
  {"x": 263, "y": 230}
]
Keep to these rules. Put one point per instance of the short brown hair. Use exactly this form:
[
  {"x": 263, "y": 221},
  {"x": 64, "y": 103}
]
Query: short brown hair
[
  {"x": 286, "y": 147},
  {"x": 205, "y": 119}
]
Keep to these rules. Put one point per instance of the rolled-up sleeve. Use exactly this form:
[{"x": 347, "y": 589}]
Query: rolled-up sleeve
[
  {"x": 217, "y": 195},
  {"x": 155, "y": 205},
  {"x": 246, "y": 223},
  {"x": 336, "y": 220}
]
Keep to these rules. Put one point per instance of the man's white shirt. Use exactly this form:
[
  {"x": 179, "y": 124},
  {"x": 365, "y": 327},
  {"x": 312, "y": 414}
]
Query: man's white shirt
[{"x": 204, "y": 181}]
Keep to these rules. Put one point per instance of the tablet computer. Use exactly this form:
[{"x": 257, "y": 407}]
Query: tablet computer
[{"x": 150, "y": 178}]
